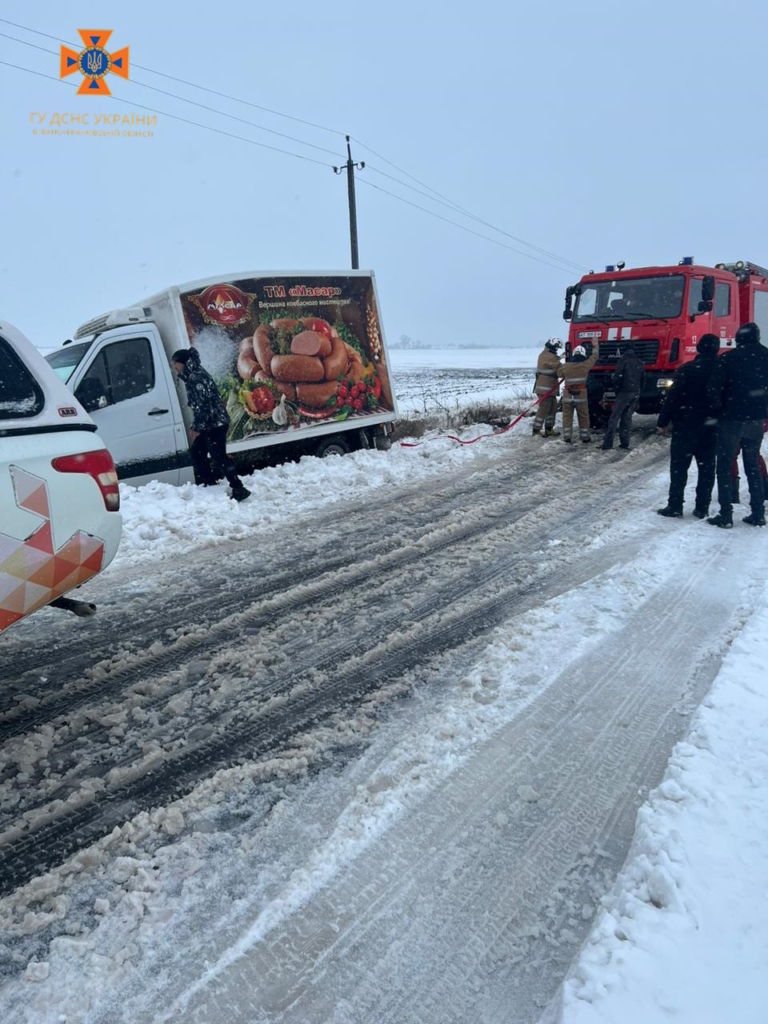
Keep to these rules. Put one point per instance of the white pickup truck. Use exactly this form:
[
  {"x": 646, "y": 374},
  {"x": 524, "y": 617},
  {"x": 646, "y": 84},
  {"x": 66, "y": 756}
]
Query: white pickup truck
[
  {"x": 299, "y": 358},
  {"x": 60, "y": 522}
]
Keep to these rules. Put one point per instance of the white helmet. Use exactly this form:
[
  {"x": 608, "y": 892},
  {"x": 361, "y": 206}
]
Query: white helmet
[
  {"x": 554, "y": 343},
  {"x": 580, "y": 351}
]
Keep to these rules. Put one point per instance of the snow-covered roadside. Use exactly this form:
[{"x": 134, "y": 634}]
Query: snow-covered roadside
[
  {"x": 161, "y": 521},
  {"x": 684, "y": 933}
]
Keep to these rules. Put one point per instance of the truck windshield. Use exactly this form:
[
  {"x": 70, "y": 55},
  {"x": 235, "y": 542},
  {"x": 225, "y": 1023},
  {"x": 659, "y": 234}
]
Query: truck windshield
[
  {"x": 66, "y": 360},
  {"x": 631, "y": 298}
]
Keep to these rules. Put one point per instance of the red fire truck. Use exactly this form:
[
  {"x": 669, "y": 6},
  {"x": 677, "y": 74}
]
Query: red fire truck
[{"x": 663, "y": 311}]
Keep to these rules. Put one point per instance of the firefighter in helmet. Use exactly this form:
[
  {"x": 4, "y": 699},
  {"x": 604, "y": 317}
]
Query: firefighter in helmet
[
  {"x": 546, "y": 379},
  {"x": 574, "y": 373}
]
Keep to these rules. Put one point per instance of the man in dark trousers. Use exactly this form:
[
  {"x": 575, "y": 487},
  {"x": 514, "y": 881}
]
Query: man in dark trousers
[
  {"x": 628, "y": 380},
  {"x": 210, "y": 418},
  {"x": 738, "y": 398},
  {"x": 694, "y": 436}
]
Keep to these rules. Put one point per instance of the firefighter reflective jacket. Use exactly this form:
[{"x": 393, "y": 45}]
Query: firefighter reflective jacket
[
  {"x": 546, "y": 372},
  {"x": 574, "y": 374}
]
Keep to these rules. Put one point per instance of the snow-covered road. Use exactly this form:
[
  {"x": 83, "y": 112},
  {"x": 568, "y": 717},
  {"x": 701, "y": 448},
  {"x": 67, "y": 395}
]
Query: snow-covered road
[{"x": 368, "y": 748}]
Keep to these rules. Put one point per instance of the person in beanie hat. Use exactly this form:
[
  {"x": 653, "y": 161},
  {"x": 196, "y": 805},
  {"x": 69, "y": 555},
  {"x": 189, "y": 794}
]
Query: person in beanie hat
[
  {"x": 738, "y": 399},
  {"x": 694, "y": 436},
  {"x": 546, "y": 379},
  {"x": 210, "y": 418},
  {"x": 628, "y": 380}
]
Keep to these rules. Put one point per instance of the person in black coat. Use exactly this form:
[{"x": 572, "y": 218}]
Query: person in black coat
[
  {"x": 628, "y": 380},
  {"x": 738, "y": 398},
  {"x": 210, "y": 419},
  {"x": 694, "y": 436}
]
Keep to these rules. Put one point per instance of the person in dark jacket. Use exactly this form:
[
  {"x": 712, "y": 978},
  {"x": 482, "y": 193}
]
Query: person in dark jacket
[
  {"x": 210, "y": 418},
  {"x": 738, "y": 398},
  {"x": 694, "y": 435},
  {"x": 628, "y": 380}
]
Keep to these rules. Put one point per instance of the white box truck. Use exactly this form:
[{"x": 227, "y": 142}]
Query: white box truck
[{"x": 299, "y": 358}]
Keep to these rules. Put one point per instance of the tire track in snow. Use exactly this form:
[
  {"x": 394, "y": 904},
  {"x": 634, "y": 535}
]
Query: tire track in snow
[
  {"x": 470, "y": 907},
  {"x": 302, "y": 706}
]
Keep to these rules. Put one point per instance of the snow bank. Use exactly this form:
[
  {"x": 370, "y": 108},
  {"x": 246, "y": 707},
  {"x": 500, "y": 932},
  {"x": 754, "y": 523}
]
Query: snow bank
[
  {"x": 161, "y": 521},
  {"x": 683, "y": 935}
]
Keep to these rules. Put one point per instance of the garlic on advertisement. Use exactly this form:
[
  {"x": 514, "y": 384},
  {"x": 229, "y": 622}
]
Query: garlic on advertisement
[
  {"x": 280, "y": 413},
  {"x": 374, "y": 336}
]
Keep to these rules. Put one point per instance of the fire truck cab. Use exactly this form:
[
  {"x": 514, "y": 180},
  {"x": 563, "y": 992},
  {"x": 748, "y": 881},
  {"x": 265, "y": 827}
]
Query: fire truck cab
[{"x": 663, "y": 311}]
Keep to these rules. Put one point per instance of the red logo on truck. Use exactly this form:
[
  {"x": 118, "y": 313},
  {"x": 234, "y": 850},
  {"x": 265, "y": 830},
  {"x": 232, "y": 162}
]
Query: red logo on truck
[{"x": 224, "y": 304}]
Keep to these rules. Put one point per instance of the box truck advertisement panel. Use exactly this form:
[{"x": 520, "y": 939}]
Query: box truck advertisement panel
[{"x": 289, "y": 351}]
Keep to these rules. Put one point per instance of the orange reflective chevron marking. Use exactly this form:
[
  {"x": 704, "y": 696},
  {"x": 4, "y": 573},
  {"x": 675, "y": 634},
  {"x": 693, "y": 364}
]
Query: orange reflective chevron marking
[{"x": 32, "y": 573}]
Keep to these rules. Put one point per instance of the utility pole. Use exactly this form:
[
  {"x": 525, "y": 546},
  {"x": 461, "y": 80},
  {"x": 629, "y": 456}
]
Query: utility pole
[{"x": 350, "y": 169}]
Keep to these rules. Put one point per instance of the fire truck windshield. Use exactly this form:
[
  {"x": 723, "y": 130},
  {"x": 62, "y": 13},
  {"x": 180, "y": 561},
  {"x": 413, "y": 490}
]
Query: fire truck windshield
[{"x": 631, "y": 298}]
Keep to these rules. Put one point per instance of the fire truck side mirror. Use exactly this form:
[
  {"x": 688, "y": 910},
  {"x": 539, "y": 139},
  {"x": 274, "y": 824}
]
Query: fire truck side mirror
[
  {"x": 569, "y": 293},
  {"x": 708, "y": 290}
]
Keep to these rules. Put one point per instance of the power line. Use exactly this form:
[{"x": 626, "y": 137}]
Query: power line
[
  {"x": 176, "y": 117},
  {"x": 182, "y": 81},
  {"x": 435, "y": 197},
  {"x": 441, "y": 199},
  {"x": 193, "y": 103},
  {"x": 463, "y": 227},
  {"x": 298, "y": 156},
  {"x": 461, "y": 209},
  {"x": 453, "y": 206}
]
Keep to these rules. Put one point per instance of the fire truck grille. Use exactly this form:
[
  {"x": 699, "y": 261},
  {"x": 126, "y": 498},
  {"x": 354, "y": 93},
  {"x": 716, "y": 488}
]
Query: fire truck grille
[{"x": 647, "y": 349}]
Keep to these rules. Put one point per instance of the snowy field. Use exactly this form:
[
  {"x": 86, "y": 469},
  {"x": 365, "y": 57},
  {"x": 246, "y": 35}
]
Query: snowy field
[
  {"x": 428, "y": 380},
  {"x": 452, "y": 846}
]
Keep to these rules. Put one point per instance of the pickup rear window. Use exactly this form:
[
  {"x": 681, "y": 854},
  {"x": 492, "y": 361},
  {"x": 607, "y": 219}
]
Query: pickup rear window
[{"x": 20, "y": 394}]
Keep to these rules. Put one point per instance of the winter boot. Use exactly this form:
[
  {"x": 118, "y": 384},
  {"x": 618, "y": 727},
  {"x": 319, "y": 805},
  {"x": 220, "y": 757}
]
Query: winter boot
[
  {"x": 240, "y": 493},
  {"x": 700, "y": 513},
  {"x": 670, "y": 513},
  {"x": 586, "y": 440},
  {"x": 536, "y": 431},
  {"x": 606, "y": 446},
  {"x": 724, "y": 522},
  {"x": 624, "y": 445},
  {"x": 567, "y": 440},
  {"x": 754, "y": 519},
  {"x": 552, "y": 433}
]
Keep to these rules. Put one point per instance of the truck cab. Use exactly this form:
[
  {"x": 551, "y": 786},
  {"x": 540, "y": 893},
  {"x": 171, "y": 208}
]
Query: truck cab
[
  {"x": 118, "y": 369},
  {"x": 663, "y": 311}
]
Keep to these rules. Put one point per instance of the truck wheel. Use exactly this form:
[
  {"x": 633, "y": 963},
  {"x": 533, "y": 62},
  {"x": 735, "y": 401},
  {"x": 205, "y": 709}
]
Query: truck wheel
[{"x": 332, "y": 446}]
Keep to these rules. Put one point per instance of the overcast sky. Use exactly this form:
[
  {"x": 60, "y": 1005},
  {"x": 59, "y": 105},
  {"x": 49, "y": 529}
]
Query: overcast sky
[{"x": 596, "y": 131}]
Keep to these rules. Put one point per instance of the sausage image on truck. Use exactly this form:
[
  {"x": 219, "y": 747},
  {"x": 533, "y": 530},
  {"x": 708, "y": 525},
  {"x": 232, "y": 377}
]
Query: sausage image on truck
[
  {"x": 663, "y": 311},
  {"x": 299, "y": 359}
]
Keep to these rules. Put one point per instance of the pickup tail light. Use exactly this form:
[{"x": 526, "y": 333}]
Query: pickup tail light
[{"x": 100, "y": 467}]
